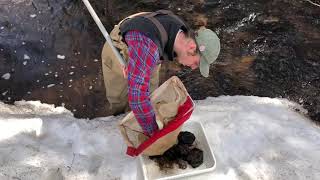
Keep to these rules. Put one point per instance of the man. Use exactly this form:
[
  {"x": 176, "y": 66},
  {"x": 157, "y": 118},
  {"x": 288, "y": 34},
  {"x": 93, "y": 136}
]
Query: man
[{"x": 144, "y": 40}]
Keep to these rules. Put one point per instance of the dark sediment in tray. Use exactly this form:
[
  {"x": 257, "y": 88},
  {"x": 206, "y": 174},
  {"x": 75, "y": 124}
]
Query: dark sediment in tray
[{"x": 183, "y": 153}]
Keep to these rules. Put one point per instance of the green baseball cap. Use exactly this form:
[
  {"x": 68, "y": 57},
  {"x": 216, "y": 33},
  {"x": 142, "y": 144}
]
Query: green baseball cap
[{"x": 209, "y": 47}]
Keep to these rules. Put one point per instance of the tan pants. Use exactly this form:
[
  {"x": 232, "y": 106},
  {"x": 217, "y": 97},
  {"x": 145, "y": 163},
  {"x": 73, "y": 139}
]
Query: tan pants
[{"x": 115, "y": 83}]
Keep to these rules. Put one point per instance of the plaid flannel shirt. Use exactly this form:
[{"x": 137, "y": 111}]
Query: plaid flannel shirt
[{"x": 143, "y": 58}]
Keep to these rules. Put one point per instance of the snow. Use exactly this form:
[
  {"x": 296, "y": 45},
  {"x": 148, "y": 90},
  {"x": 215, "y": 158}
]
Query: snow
[
  {"x": 25, "y": 56},
  {"x": 4, "y": 93},
  {"x": 251, "y": 137},
  {"x": 25, "y": 62},
  {"x": 61, "y": 56},
  {"x": 71, "y": 73},
  {"x": 6, "y": 76},
  {"x": 33, "y": 15},
  {"x": 50, "y": 85}
]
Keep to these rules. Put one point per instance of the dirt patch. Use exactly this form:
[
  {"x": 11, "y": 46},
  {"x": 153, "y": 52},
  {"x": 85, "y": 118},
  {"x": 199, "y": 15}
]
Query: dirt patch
[{"x": 267, "y": 49}]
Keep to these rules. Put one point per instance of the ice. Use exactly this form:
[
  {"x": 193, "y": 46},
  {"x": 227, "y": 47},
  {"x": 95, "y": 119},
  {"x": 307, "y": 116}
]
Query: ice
[
  {"x": 6, "y": 76},
  {"x": 25, "y": 56},
  {"x": 61, "y": 56},
  {"x": 4, "y": 93},
  {"x": 50, "y": 85}
]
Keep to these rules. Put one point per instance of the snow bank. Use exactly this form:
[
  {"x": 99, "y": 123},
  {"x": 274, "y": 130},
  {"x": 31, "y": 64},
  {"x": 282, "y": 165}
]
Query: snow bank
[{"x": 252, "y": 138}]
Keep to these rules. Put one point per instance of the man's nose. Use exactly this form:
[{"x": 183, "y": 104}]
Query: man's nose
[{"x": 193, "y": 67}]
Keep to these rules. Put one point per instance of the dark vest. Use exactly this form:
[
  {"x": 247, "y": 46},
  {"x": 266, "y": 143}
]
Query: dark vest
[{"x": 144, "y": 25}]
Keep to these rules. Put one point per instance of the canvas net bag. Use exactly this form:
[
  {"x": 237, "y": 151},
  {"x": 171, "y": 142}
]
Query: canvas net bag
[{"x": 173, "y": 106}]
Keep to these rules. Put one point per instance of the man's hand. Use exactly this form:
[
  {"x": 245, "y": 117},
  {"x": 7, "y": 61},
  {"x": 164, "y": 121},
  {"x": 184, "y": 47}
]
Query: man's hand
[{"x": 125, "y": 71}]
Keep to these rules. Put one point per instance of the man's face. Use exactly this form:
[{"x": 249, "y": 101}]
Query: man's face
[{"x": 189, "y": 57}]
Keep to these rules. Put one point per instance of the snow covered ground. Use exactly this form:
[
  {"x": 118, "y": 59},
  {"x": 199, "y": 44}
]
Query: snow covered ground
[{"x": 252, "y": 138}]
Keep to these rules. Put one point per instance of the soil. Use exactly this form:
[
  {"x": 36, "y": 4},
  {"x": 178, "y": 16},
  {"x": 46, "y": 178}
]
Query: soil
[
  {"x": 51, "y": 50},
  {"x": 183, "y": 153}
]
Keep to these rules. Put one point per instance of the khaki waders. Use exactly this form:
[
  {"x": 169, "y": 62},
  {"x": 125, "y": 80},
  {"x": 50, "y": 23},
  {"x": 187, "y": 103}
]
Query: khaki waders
[{"x": 115, "y": 83}]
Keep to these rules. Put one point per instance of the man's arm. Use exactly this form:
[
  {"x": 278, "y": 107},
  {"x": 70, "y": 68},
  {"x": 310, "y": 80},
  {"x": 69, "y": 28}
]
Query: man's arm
[{"x": 143, "y": 58}]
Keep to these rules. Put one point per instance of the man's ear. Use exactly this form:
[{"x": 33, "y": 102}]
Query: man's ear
[{"x": 192, "y": 45}]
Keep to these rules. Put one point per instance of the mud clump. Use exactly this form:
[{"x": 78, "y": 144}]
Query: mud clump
[
  {"x": 186, "y": 138},
  {"x": 195, "y": 157},
  {"x": 181, "y": 154}
]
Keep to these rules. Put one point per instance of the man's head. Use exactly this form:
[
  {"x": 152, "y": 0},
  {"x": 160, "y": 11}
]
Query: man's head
[{"x": 198, "y": 49}]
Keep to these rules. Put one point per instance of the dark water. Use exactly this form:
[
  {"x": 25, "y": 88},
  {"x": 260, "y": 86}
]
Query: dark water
[{"x": 269, "y": 48}]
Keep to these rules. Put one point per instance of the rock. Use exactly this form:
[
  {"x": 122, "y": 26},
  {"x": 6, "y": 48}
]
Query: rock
[
  {"x": 195, "y": 157},
  {"x": 173, "y": 153},
  {"x": 186, "y": 137},
  {"x": 211, "y": 3},
  {"x": 183, "y": 150}
]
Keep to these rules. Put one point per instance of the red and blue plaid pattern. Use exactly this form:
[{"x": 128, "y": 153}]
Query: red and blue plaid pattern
[{"x": 143, "y": 58}]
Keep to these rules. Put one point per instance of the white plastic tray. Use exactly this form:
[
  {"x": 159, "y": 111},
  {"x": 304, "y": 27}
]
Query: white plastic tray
[{"x": 150, "y": 169}]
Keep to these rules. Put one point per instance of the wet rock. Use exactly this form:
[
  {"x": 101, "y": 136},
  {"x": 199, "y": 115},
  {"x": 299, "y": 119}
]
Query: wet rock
[
  {"x": 211, "y": 3},
  {"x": 173, "y": 153},
  {"x": 181, "y": 154},
  {"x": 183, "y": 150},
  {"x": 186, "y": 138},
  {"x": 151, "y": 3},
  {"x": 195, "y": 157}
]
